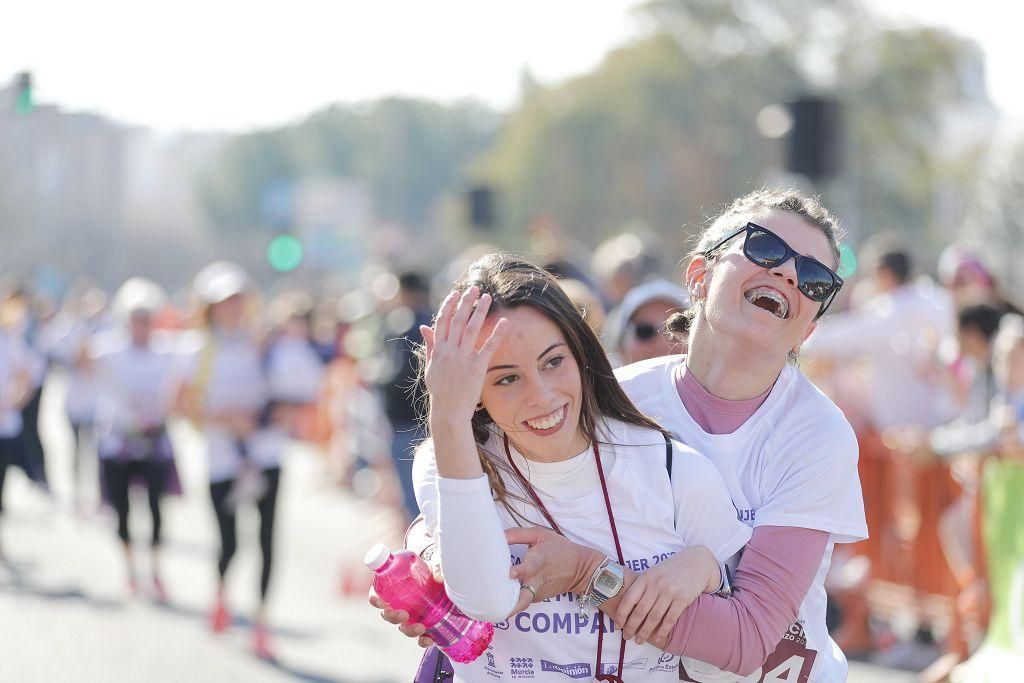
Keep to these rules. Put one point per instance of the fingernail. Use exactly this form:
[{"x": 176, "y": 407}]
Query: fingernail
[{"x": 639, "y": 641}]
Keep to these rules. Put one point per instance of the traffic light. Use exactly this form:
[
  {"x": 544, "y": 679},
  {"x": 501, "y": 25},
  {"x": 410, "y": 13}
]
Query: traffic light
[
  {"x": 284, "y": 254},
  {"x": 480, "y": 202},
  {"x": 23, "y": 103},
  {"x": 815, "y": 138}
]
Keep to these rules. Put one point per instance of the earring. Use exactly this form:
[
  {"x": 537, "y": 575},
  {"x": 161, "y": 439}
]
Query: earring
[
  {"x": 480, "y": 406},
  {"x": 698, "y": 291}
]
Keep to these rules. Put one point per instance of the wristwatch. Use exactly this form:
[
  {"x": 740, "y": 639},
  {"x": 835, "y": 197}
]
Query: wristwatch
[{"x": 604, "y": 585}]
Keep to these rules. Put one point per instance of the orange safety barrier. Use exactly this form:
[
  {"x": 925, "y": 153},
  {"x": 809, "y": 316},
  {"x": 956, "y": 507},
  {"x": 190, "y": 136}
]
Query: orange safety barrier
[{"x": 903, "y": 501}]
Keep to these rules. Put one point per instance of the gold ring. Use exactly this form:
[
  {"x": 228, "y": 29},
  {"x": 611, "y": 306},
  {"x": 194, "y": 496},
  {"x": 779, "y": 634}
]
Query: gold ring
[{"x": 531, "y": 589}]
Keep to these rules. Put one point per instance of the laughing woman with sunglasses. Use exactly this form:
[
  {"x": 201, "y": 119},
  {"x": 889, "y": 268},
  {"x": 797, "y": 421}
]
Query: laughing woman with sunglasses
[{"x": 761, "y": 275}]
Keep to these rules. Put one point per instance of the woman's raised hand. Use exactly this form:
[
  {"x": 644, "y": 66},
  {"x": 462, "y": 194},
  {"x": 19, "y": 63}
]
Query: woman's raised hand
[{"x": 456, "y": 358}]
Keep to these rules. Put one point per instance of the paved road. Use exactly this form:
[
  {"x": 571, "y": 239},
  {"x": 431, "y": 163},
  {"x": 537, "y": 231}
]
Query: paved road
[{"x": 65, "y": 612}]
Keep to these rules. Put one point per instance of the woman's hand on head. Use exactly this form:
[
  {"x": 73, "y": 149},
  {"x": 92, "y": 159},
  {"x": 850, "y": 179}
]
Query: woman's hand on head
[
  {"x": 400, "y": 617},
  {"x": 456, "y": 359},
  {"x": 653, "y": 603},
  {"x": 553, "y": 565}
]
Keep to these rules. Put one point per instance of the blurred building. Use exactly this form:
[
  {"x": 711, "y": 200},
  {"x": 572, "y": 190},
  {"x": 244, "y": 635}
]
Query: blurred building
[
  {"x": 61, "y": 188},
  {"x": 84, "y": 195}
]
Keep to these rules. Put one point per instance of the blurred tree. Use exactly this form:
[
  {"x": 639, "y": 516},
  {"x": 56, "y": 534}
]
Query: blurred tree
[
  {"x": 996, "y": 220},
  {"x": 407, "y": 152},
  {"x": 664, "y": 130}
]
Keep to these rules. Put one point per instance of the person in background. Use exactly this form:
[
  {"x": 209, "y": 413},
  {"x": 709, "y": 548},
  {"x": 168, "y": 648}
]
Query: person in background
[
  {"x": 636, "y": 329},
  {"x": 14, "y": 386},
  {"x": 133, "y": 376},
  {"x": 587, "y": 301},
  {"x": 67, "y": 342},
  {"x": 898, "y": 331},
  {"x": 294, "y": 366},
  {"x": 402, "y": 336},
  {"x": 21, "y": 316},
  {"x": 972, "y": 431},
  {"x": 624, "y": 261},
  {"x": 1008, "y": 370},
  {"x": 223, "y": 390},
  {"x": 969, "y": 281}
]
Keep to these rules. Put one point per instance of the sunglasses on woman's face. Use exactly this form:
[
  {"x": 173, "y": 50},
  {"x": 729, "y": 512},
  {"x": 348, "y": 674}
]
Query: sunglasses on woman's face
[
  {"x": 644, "y": 331},
  {"x": 764, "y": 248}
]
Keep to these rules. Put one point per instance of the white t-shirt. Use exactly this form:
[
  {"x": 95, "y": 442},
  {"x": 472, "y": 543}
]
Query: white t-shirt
[
  {"x": 134, "y": 385},
  {"x": 295, "y": 372},
  {"x": 655, "y": 518},
  {"x": 234, "y": 380},
  {"x": 63, "y": 339},
  {"x": 792, "y": 463}
]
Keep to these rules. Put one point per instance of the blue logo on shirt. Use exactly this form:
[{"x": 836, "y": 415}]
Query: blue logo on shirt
[{"x": 573, "y": 670}]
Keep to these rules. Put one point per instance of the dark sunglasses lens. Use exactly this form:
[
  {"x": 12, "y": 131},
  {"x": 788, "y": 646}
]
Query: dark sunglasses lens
[
  {"x": 765, "y": 249},
  {"x": 815, "y": 280},
  {"x": 645, "y": 331}
]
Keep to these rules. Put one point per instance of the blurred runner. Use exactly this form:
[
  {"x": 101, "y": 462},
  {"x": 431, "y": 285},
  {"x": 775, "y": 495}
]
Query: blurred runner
[
  {"x": 133, "y": 375},
  {"x": 224, "y": 392}
]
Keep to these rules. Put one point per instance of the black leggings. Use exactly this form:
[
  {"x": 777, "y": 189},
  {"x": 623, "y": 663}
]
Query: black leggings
[
  {"x": 119, "y": 474},
  {"x": 227, "y": 522},
  {"x": 32, "y": 444}
]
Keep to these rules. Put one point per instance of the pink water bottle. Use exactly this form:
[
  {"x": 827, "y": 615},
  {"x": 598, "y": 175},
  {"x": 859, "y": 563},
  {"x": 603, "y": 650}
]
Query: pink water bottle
[{"x": 404, "y": 581}]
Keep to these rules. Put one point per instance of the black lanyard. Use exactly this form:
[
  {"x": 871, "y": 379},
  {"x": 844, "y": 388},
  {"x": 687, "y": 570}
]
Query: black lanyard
[{"x": 616, "y": 677}]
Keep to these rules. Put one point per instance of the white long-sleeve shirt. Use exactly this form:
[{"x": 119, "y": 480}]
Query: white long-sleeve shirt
[{"x": 655, "y": 518}]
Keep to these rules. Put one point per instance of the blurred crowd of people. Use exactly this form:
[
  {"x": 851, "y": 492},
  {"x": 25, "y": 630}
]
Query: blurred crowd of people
[{"x": 930, "y": 373}]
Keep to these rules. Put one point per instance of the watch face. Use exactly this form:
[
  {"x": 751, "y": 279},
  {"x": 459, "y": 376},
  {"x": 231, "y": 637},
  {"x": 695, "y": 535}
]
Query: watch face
[{"x": 606, "y": 582}]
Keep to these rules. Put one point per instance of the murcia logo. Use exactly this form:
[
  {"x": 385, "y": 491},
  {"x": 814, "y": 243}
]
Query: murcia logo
[{"x": 521, "y": 667}]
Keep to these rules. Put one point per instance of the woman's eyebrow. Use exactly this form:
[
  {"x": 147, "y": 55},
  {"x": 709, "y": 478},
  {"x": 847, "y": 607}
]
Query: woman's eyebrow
[{"x": 512, "y": 367}]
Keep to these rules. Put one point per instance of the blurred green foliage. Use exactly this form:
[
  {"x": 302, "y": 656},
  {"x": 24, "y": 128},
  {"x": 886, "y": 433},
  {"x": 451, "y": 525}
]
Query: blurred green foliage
[{"x": 408, "y": 152}]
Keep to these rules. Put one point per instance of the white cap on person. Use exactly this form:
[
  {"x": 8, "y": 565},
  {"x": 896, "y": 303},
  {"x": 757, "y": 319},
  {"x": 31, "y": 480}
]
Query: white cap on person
[
  {"x": 220, "y": 281},
  {"x": 137, "y": 294}
]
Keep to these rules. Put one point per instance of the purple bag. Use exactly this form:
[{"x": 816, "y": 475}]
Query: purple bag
[{"x": 434, "y": 667}]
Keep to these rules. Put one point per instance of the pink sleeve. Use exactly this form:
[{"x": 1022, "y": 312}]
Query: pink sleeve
[{"x": 776, "y": 571}]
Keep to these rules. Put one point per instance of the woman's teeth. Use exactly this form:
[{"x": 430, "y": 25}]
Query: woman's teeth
[
  {"x": 547, "y": 422},
  {"x": 770, "y": 300}
]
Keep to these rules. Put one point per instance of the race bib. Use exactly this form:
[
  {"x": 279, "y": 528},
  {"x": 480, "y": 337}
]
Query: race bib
[{"x": 790, "y": 662}]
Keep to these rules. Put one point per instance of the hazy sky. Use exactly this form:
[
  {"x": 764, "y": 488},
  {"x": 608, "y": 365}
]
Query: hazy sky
[{"x": 233, "y": 65}]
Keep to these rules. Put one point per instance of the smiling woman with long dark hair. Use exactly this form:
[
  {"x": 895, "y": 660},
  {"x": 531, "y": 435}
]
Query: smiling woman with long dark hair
[{"x": 530, "y": 429}]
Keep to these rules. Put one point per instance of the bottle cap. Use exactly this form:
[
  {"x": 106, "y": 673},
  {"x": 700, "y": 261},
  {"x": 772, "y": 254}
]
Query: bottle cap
[{"x": 377, "y": 556}]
